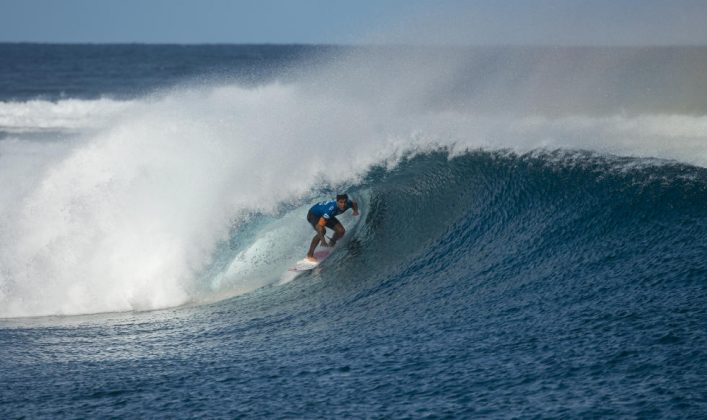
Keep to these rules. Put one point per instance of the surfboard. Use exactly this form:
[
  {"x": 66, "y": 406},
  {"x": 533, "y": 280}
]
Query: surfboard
[{"x": 304, "y": 264}]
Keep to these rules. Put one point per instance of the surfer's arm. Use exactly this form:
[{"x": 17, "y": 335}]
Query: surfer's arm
[{"x": 354, "y": 206}]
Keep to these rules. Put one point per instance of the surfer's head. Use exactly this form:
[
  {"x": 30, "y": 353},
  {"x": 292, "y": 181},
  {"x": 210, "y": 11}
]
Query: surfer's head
[{"x": 341, "y": 200}]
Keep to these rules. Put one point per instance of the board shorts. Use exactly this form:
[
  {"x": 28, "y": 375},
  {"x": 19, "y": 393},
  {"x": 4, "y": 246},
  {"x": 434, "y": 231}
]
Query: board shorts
[{"x": 313, "y": 220}]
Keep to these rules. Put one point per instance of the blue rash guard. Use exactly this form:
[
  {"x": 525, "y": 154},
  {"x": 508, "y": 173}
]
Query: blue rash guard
[
  {"x": 328, "y": 209},
  {"x": 325, "y": 213}
]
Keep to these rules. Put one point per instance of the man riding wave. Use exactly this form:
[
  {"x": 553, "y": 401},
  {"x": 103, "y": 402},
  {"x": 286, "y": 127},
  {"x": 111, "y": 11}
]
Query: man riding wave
[{"x": 323, "y": 215}]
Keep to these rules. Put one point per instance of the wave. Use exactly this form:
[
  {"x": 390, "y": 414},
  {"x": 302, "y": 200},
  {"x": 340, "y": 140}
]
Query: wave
[
  {"x": 158, "y": 203},
  {"x": 569, "y": 215}
]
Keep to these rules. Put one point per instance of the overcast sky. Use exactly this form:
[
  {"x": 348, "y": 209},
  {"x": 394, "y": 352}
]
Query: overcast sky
[{"x": 470, "y": 22}]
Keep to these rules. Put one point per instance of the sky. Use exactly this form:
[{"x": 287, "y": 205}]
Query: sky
[{"x": 457, "y": 22}]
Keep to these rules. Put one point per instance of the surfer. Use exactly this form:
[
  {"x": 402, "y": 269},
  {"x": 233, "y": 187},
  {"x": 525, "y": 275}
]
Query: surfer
[{"x": 323, "y": 215}]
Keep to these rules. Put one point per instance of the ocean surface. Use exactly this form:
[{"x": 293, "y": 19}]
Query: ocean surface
[{"x": 532, "y": 240}]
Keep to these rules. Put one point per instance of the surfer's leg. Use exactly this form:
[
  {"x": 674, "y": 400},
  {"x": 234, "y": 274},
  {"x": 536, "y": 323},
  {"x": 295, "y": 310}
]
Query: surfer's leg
[
  {"x": 315, "y": 242},
  {"x": 312, "y": 219},
  {"x": 339, "y": 232}
]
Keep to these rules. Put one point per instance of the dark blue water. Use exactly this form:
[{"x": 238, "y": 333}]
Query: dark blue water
[
  {"x": 486, "y": 283},
  {"x": 52, "y": 72}
]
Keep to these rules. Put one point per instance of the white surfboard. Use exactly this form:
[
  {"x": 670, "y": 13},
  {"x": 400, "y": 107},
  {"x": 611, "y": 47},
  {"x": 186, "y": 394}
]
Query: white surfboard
[{"x": 305, "y": 264}]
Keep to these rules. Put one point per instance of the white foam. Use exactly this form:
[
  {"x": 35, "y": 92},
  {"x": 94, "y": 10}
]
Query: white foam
[
  {"x": 125, "y": 218},
  {"x": 62, "y": 115}
]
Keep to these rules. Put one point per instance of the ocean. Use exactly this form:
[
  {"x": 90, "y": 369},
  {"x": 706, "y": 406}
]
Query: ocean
[{"x": 532, "y": 240}]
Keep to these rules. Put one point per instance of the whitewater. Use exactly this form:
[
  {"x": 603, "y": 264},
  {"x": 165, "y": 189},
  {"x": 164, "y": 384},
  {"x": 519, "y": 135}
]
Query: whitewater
[{"x": 504, "y": 233}]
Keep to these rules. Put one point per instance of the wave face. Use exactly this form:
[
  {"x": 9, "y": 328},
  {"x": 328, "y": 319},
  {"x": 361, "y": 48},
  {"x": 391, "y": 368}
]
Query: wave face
[
  {"x": 551, "y": 235},
  {"x": 559, "y": 216}
]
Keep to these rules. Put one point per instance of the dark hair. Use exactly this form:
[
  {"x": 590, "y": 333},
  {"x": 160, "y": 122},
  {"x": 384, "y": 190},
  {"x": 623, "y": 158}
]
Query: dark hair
[{"x": 342, "y": 197}]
